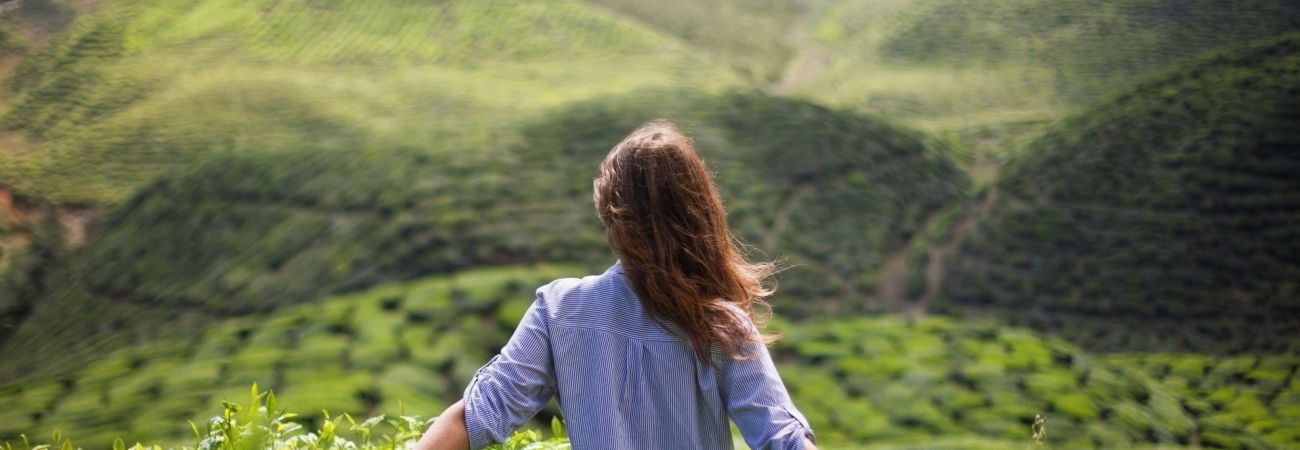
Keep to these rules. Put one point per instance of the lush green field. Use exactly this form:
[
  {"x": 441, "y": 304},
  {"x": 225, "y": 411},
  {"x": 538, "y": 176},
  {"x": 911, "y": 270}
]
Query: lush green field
[
  {"x": 1169, "y": 210},
  {"x": 889, "y": 380},
  {"x": 286, "y": 228},
  {"x": 344, "y": 201},
  {"x": 140, "y": 89},
  {"x": 262, "y": 423},
  {"x": 415, "y": 343},
  {"x": 137, "y": 89},
  {"x": 992, "y": 73}
]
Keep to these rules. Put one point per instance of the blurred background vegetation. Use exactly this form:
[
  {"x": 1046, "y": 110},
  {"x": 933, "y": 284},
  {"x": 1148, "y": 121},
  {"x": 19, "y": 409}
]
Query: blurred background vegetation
[{"x": 1084, "y": 209}]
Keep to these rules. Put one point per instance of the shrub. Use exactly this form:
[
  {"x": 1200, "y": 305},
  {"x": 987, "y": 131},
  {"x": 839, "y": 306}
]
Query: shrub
[{"x": 263, "y": 425}]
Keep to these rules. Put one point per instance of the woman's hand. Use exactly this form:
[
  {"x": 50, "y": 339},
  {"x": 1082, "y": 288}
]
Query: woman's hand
[{"x": 448, "y": 432}]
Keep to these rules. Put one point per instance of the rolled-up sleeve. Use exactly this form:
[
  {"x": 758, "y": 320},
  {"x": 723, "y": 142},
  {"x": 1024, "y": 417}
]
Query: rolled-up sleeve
[
  {"x": 514, "y": 385},
  {"x": 758, "y": 402}
]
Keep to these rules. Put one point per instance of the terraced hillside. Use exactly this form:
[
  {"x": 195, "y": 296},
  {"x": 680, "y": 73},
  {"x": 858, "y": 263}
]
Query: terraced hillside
[
  {"x": 887, "y": 379},
  {"x": 884, "y": 381},
  {"x": 827, "y": 191},
  {"x": 141, "y": 88},
  {"x": 748, "y": 36},
  {"x": 417, "y": 343},
  {"x": 247, "y": 233},
  {"x": 1164, "y": 218},
  {"x": 277, "y": 180},
  {"x": 993, "y": 73},
  {"x": 138, "y": 89}
]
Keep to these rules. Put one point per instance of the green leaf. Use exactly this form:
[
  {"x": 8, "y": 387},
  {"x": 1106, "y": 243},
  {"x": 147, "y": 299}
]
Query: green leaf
[
  {"x": 270, "y": 404},
  {"x": 369, "y": 423},
  {"x": 557, "y": 428}
]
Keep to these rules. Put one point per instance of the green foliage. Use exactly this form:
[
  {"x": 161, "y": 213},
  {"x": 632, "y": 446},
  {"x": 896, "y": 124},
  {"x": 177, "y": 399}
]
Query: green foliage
[
  {"x": 1228, "y": 395},
  {"x": 409, "y": 348},
  {"x": 145, "y": 88},
  {"x": 261, "y": 424},
  {"x": 1164, "y": 214},
  {"x": 787, "y": 169},
  {"x": 911, "y": 380},
  {"x": 1089, "y": 45},
  {"x": 994, "y": 72},
  {"x": 287, "y": 228},
  {"x": 365, "y": 353},
  {"x": 24, "y": 273},
  {"x": 749, "y": 35},
  {"x": 259, "y": 156}
]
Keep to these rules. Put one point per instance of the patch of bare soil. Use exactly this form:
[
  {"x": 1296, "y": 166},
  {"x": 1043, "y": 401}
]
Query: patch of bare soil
[{"x": 809, "y": 58}]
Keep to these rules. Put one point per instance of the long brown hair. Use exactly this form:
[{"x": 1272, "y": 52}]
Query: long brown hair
[{"x": 665, "y": 221}]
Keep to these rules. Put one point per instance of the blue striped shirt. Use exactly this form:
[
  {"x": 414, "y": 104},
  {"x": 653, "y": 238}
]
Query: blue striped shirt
[{"x": 623, "y": 380}]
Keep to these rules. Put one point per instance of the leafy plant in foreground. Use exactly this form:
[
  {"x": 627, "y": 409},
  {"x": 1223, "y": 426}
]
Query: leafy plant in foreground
[{"x": 262, "y": 425}]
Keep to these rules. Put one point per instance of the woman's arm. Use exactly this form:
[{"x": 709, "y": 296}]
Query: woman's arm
[
  {"x": 758, "y": 403},
  {"x": 448, "y": 432},
  {"x": 503, "y": 394}
]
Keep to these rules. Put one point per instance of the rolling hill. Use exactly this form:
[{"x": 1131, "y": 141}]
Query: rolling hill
[
  {"x": 1163, "y": 218},
  {"x": 344, "y": 201},
  {"x": 245, "y": 233},
  {"x": 993, "y": 74},
  {"x": 137, "y": 89}
]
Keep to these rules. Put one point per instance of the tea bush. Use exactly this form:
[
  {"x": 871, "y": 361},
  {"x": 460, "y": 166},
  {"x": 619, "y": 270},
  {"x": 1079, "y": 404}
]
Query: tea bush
[
  {"x": 261, "y": 424},
  {"x": 1162, "y": 219},
  {"x": 887, "y": 381}
]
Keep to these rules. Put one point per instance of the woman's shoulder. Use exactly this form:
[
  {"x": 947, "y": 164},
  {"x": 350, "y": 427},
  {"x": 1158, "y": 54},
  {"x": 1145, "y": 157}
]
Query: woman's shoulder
[
  {"x": 589, "y": 298},
  {"x": 560, "y": 288}
]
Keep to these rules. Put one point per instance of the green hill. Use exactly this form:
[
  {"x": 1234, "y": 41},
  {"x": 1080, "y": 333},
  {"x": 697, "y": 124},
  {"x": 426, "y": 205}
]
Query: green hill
[
  {"x": 749, "y": 36},
  {"x": 138, "y": 89},
  {"x": 994, "y": 72},
  {"x": 198, "y": 195},
  {"x": 885, "y": 381},
  {"x": 133, "y": 90},
  {"x": 249, "y": 232},
  {"x": 829, "y": 192},
  {"x": 1163, "y": 218}
]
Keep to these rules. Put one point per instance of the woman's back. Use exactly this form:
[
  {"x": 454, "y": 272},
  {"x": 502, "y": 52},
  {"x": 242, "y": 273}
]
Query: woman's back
[
  {"x": 624, "y": 379},
  {"x": 658, "y": 351}
]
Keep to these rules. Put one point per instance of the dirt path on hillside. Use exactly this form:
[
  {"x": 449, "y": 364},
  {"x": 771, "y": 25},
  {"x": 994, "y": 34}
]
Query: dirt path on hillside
[
  {"x": 939, "y": 256},
  {"x": 810, "y": 57},
  {"x": 892, "y": 290},
  {"x": 782, "y": 220}
]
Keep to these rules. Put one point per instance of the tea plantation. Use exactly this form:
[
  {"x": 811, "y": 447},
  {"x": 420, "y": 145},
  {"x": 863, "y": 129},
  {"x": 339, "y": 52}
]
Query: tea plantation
[
  {"x": 411, "y": 347},
  {"x": 286, "y": 228},
  {"x": 415, "y": 343},
  {"x": 985, "y": 211},
  {"x": 1165, "y": 218},
  {"x": 994, "y": 72},
  {"x": 139, "y": 89}
]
